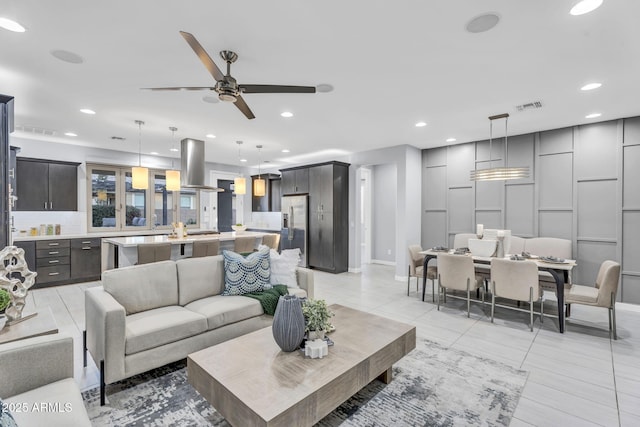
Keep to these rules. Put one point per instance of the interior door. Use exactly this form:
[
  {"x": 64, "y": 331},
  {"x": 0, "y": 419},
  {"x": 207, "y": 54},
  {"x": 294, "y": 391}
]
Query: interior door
[{"x": 225, "y": 206}]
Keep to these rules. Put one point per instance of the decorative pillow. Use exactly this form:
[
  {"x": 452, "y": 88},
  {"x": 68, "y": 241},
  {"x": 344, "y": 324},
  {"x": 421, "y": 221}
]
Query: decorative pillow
[
  {"x": 6, "y": 419},
  {"x": 243, "y": 275},
  {"x": 283, "y": 267}
]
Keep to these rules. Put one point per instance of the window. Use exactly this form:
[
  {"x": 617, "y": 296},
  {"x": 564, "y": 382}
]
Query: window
[{"x": 114, "y": 203}]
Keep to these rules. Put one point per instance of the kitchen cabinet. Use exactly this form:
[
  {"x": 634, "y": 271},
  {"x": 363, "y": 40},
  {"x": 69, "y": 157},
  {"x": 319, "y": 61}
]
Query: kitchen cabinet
[
  {"x": 295, "y": 181},
  {"x": 44, "y": 185},
  {"x": 85, "y": 259},
  {"x": 13, "y": 151},
  {"x": 271, "y": 200},
  {"x": 52, "y": 261},
  {"x": 329, "y": 216}
]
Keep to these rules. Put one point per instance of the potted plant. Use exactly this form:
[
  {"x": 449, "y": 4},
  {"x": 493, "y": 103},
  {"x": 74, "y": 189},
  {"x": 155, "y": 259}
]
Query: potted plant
[
  {"x": 317, "y": 315},
  {"x": 5, "y": 299}
]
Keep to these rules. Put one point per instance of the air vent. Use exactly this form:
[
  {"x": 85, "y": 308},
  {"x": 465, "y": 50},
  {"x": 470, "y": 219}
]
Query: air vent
[
  {"x": 529, "y": 106},
  {"x": 36, "y": 130},
  {"x": 118, "y": 138}
]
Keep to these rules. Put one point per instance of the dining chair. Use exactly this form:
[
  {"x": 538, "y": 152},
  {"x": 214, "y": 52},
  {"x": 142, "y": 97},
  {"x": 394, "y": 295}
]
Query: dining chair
[
  {"x": 416, "y": 268},
  {"x": 461, "y": 240},
  {"x": 549, "y": 246},
  {"x": 244, "y": 244},
  {"x": 515, "y": 280},
  {"x": 206, "y": 248},
  {"x": 603, "y": 294},
  {"x": 271, "y": 240},
  {"x": 153, "y": 252},
  {"x": 457, "y": 272}
]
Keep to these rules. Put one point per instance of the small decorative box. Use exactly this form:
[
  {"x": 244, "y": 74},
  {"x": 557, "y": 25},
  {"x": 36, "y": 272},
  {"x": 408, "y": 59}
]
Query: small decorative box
[{"x": 316, "y": 349}]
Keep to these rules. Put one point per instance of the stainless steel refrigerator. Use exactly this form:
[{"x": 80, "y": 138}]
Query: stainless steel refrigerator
[{"x": 295, "y": 225}]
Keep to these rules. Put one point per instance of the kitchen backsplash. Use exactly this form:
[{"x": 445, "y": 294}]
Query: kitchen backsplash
[
  {"x": 70, "y": 222},
  {"x": 266, "y": 221}
]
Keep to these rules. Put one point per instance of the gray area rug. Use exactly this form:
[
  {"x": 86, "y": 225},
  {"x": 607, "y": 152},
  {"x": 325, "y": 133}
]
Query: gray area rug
[{"x": 432, "y": 386}]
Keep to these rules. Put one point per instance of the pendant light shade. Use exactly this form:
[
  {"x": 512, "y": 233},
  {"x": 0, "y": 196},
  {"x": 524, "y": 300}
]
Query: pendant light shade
[
  {"x": 139, "y": 175},
  {"x": 172, "y": 175},
  {"x": 259, "y": 184},
  {"x": 240, "y": 182},
  {"x": 240, "y": 185},
  {"x": 499, "y": 173}
]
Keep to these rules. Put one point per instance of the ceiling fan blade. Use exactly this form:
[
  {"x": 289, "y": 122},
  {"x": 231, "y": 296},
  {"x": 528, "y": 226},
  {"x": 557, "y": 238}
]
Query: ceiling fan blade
[
  {"x": 242, "y": 106},
  {"x": 179, "y": 88},
  {"x": 276, "y": 89},
  {"x": 203, "y": 55}
]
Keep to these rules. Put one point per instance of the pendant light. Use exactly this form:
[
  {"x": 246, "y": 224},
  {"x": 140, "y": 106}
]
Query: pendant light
[
  {"x": 240, "y": 182},
  {"x": 139, "y": 175},
  {"x": 499, "y": 173},
  {"x": 172, "y": 175},
  {"x": 259, "y": 184}
]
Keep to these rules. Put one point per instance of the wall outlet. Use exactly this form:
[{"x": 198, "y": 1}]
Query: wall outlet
[{"x": 388, "y": 251}]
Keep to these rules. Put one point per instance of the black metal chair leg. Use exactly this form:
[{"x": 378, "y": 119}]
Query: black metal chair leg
[{"x": 102, "y": 385}]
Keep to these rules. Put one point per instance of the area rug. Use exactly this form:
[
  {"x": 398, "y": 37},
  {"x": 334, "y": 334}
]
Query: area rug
[{"x": 432, "y": 386}]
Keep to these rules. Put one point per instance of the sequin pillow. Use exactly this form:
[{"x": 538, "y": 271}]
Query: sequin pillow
[{"x": 243, "y": 275}]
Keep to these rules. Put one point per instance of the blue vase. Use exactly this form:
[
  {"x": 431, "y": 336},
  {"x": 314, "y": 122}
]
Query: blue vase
[{"x": 288, "y": 323}]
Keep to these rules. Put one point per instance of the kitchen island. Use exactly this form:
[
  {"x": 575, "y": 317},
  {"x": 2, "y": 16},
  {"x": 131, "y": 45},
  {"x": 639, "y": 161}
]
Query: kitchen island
[{"x": 123, "y": 251}]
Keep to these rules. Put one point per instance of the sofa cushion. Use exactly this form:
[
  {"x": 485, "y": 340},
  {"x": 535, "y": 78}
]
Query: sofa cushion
[
  {"x": 581, "y": 294},
  {"x": 143, "y": 287},
  {"x": 60, "y": 402},
  {"x": 224, "y": 310},
  {"x": 153, "y": 328},
  {"x": 243, "y": 275},
  {"x": 199, "y": 277},
  {"x": 283, "y": 267}
]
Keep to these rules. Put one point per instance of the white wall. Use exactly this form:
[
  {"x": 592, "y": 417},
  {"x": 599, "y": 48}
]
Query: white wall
[{"x": 385, "y": 182}]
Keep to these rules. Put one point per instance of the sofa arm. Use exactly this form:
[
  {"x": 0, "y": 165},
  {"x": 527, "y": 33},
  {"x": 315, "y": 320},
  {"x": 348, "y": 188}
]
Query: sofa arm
[
  {"x": 105, "y": 325},
  {"x": 305, "y": 280},
  {"x": 34, "y": 362}
]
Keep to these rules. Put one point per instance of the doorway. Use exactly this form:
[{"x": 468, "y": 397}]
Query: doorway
[
  {"x": 226, "y": 211},
  {"x": 365, "y": 215}
]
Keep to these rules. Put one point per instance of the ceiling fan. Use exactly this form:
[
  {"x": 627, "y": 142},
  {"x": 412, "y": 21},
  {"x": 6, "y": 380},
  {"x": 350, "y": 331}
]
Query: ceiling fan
[{"x": 226, "y": 86}]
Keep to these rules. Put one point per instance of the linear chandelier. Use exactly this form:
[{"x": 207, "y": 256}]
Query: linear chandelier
[{"x": 501, "y": 172}]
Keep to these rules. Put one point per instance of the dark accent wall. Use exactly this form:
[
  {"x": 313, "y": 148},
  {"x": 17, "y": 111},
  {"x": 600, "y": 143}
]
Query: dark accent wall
[{"x": 583, "y": 187}]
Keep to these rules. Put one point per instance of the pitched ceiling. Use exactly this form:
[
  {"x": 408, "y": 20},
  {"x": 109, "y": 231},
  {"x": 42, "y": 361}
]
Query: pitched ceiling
[{"x": 391, "y": 64}]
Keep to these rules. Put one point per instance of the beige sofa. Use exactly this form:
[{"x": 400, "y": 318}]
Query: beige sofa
[
  {"x": 37, "y": 385},
  {"x": 145, "y": 316}
]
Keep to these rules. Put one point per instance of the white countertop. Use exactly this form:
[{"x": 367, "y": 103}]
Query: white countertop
[
  {"x": 100, "y": 234},
  {"x": 130, "y": 241}
]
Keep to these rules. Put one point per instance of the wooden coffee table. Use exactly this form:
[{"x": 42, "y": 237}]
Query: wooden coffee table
[{"x": 250, "y": 381}]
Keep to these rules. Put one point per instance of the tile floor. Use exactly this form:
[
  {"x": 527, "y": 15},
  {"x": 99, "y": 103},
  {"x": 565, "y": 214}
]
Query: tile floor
[{"x": 577, "y": 378}]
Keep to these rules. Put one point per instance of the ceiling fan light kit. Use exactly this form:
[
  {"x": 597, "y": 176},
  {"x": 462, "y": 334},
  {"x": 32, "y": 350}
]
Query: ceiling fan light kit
[
  {"x": 227, "y": 87},
  {"x": 499, "y": 173},
  {"x": 139, "y": 175}
]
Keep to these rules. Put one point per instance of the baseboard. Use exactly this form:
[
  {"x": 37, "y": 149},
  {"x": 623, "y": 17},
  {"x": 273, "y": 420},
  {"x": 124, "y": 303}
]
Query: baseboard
[
  {"x": 379, "y": 261},
  {"x": 355, "y": 270},
  {"x": 401, "y": 278}
]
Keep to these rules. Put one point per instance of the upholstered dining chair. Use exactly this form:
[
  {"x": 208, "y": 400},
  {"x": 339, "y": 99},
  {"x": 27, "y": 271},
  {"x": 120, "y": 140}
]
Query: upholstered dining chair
[
  {"x": 244, "y": 244},
  {"x": 206, "y": 248},
  {"x": 271, "y": 240},
  {"x": 549, "y": 246},
  {"x": 457, "y": 272},
  {"x": 603, "y": 294},
  {"x": 416, "y": 268},
  {"x": 153, "y": 252},
  {"x": 461, "y": 240},
  {"x": 515, "y": 280}
]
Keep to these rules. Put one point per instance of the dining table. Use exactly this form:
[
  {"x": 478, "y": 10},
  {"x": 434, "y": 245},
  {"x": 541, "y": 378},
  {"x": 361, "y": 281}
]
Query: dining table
[{"x": 559, "y": 270}]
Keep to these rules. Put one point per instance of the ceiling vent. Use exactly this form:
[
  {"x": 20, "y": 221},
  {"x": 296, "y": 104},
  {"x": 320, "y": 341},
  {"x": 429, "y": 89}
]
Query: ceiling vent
[
  {"x": 36, "y": 130},
  {"x": 529, "y": 106}
]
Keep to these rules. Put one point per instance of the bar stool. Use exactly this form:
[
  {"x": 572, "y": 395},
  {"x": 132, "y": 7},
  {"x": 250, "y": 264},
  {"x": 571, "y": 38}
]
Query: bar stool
[
  {"x": 244, "y": 244},
  {"x": 271, "y": 240},
  {"x": 208, "y": 248},
  {"x": 153, "y": 252}
]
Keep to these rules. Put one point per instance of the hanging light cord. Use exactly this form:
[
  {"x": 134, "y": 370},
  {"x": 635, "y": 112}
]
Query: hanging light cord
[
  {"x": 139, "y": 123},
  {"x": 259, "y": 159}
]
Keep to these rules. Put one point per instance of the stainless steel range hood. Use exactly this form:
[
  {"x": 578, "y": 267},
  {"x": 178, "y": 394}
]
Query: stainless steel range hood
[{"x": 192, "y": 165}]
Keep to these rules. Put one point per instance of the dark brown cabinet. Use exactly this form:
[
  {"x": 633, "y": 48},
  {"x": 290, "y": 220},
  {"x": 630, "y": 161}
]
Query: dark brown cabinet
[
  {"x": 52, "y": 261},
  {"x": 46, "y": 186},
  {"x": 85, "y": 259},
  {"x": 328, "y": 244},
  {"x": 295, "y": 181}
]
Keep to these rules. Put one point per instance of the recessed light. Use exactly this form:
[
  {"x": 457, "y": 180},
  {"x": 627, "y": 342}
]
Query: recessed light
[
  {"x": 87, "y": 111},
  {"x": 324, "y": 88},
  {"x": 66, "y": 56},
  {"x": 173, "y": 149},
  {"x": 155, "y": 153},
  {"x": 592, "y": 115},
  {"x": 243, "y": 160},
  {"x": 70, "y": 134},
  {"x": 210, "y": 135},
  {"x": 421, "y": 124},
  {"x": 10, "y": 25},
  {"x": 585, "y": 6},
  {"x": 285, "y": 151},
  {"x": 482, "y": 23},
  {"x": 591, "y": 86},
  {"x": 286, "y": 114},
  {"x": 451, "y": 140},
  {"x": 210, "y": 99}
]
